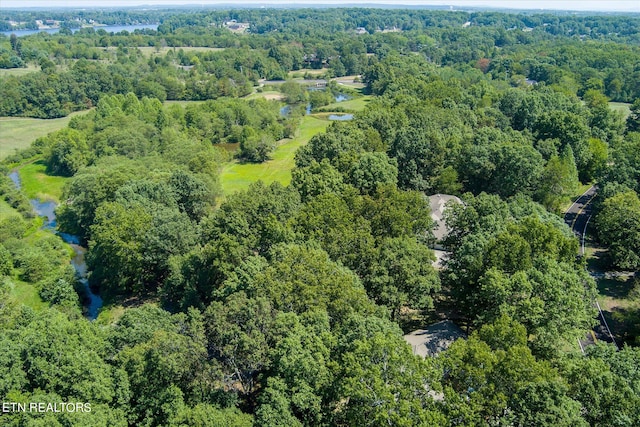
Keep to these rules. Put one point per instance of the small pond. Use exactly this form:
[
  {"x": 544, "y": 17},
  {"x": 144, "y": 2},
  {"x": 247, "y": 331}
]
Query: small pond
[{"x": 340, "y": 117}]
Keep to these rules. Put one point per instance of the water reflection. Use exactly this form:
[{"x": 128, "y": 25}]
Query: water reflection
[
  {"x": 15, "y": 177},
  {"x": 340, "y": 117}
]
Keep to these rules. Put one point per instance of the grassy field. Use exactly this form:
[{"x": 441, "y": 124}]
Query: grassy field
[
  {"x": 18, "y": 71},
  {"x": 237, "y": 176},
  {"x": 621, "y": 106},
  {"x": 6, "y": 211},
  {"x": 267, "y": 94},
  {"x": 356, "y": 104},
  {"x": 37, "y": 184},
  {"x": 298, "y": 74},
  {"x": 27, "y": 294},
  {"x": 17, "y": 133}
]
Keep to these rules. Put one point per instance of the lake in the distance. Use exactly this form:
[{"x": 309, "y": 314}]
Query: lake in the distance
[{"x": 107, "y": 28}]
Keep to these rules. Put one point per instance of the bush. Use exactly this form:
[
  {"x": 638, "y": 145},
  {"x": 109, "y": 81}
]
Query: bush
[
  {"x": 6, "y": 262},
  {"x": 257, "y": 149},
  {"x": 59, "y": 291}
]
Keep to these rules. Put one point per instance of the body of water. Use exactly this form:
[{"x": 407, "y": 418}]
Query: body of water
[
  {"x": 47, "y": 209},
  {"x": 340, "y": 117},
  {"x": 107, "y": 28},
  {"x": 341, "y": 97},
  {"x": 95, "y": 302},
  {"x": 15, "y": 177},
  {"x": 284, "y": 111}
]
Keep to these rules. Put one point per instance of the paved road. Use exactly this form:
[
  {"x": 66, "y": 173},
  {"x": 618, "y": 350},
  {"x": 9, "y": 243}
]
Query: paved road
[
  {"x": 579, "y": 213},
  {"x": 577, "y": 217}
]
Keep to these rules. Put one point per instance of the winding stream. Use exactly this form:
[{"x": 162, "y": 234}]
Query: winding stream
[{"x": 47, "y": 210}]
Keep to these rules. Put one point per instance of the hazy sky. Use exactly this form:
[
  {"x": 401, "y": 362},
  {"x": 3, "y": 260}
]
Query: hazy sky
[{"x": 599, "y": 5}]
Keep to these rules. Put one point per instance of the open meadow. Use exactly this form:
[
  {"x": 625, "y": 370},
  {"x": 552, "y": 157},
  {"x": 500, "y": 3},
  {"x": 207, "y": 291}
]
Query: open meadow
[
  {"x": 4, "y": 72},
  {"x": 238, "y": 176},
  {"x": 622, "y": 107},
  {"x": 17, "y": 133},
  {"x": 37, "y": 184},
  {"x": 356, "y": 104}
]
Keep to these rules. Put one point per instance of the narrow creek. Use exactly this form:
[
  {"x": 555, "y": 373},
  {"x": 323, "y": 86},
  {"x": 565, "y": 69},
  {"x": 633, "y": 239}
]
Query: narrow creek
[{"x": 46, "y": 210}]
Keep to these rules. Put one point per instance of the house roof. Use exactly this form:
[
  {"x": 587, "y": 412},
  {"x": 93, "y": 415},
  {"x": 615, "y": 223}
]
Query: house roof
[{"x": 437, "y": 203}]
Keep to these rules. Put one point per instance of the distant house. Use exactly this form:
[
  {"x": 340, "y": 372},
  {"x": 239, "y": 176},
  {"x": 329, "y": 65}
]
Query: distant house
[
  {"x": 434, "y": 339},
  {"x": 236, "y": 26},
  {"x": 361, "y": 30},
  {"x": 438, "y": 204}
]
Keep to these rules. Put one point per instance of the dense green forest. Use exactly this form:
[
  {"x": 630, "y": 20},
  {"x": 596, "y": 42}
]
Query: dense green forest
[{"x": 285, "y": 304}]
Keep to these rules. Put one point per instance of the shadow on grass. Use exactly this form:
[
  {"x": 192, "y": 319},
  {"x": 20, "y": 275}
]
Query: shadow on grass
[
  {"x": 624, "y": 324},
  {"x": 616, "y": 287}
]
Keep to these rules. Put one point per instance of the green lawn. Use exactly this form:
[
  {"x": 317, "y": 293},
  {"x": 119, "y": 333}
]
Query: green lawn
[
  {"x": 356, "y": 104},
  {"x": 298, "y": 74},
  {"x": 27, "y": 294},
  {"x": 237, "y": 176},
  {"x": 18, "y": 71},
  {"x": 267, "y": 94},
  {"x": 17, "y": 133},
  {"x": 37, "y": 184},
  {"x": 621, "y": 106},
  {"x": 6, "y": 211}
]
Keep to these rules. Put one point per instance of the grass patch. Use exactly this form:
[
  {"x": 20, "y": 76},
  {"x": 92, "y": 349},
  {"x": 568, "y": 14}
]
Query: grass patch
[
  {"x": 27, "y": 294},
  {"x": 238, "y": 176},
  {"x": 110, "y": 314},
  {"x": 17, "y": 72},
  {"x": 267, "y": 94},
  {"x": 298, "y": 74},
  {"x": 620, "y": 302},
  {"x": 615, "y": 288},
  {"x": 17, "y": 133},
  {"x": 622, "y": 107},
  {"x": 6, "y": 211},
  {"x": 37, "y": 184},
  {"x": 356, "y": 104}
]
